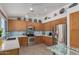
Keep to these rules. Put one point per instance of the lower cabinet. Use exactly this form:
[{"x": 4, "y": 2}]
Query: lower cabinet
[
  {"x": 48, "y": 40},
  {"x": 44, "y": 39},
  {"x": 10, "y": 52},
  {"x": 39, "y": 39},
  {"x": 23, "y": 41}
]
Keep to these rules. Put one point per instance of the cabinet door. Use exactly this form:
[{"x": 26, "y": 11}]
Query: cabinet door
[
  {"x": 36, "y": 25},
  {"x": 16, "y": 25},
  {"x": 23, "y": 41},
  {"x": 48, "y": 40},
  {"x": 74, "y": 30},
  {"x": 74, "y": 21},
  {"x": 39, "y": 39},
  {"x": 41, "y": 27},
  {"x": 74, "y": 39},
  {"x": 48, "y": 26}
]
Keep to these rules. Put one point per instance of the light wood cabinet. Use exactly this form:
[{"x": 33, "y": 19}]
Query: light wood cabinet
[
  {"x": 23, "y": 41},
  {"x": 20, "y": 25},
  {"x": 41, "y": 26},
  {"x": 38, "y": 39},
  {"x": 44, "y": 39},
  {"x": 10, "y": 52},
  {"x": 38, "y": 26},
  {"x": 74, "y": 39},
  {"x": 16, "y": 25},
  {"x": 74, "y": 21},
  {"x": 49, "y": 25},
  {"x": 48, "y": 40},
  {"x": 74, "y": 30}
]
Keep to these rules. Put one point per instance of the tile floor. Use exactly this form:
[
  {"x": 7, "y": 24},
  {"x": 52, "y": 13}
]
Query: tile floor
[{"x": 39, "y": 49}]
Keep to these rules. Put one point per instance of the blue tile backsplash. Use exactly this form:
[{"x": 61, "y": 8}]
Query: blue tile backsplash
[
  {"x": 36, "y": 33},
  {"x": 16, "y": 33}
]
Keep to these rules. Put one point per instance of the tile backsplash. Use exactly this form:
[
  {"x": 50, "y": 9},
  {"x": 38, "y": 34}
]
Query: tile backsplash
[
  {"x": 16, "y": 33},
  {"x": 42, "y": 32},
  {"x": 36, "y": 33}
]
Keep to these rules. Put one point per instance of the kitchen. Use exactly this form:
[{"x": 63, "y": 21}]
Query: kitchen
[{"x": 27, "y": 30}]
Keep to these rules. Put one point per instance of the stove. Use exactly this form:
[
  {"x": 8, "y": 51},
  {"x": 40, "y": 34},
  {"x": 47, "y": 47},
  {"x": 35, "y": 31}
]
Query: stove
[{"x": 31, "y": 41}]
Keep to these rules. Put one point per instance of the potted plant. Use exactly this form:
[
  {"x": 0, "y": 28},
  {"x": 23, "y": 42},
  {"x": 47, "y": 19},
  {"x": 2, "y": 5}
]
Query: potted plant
[
  {"x": 1, "y": 36},
  {"x": 0, "y": 31}
]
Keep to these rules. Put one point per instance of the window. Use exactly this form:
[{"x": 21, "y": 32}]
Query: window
[{"x": 3, "y": 25}]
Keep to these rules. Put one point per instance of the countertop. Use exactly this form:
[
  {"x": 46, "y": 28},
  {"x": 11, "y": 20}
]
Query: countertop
[
  {"x": 13, "y": 44},
  {"x": 17, "y": 36},
  {"x": 26, "y": 36},
  {"x": 10, "y": 44}
]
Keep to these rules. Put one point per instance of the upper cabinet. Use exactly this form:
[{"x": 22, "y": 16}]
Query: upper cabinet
[
  {"x": 20, "y": 25},
  {"x": 38, "y": 26},
  {"x": 16, "y": 25},
  {"x": 49, "y": 25}
]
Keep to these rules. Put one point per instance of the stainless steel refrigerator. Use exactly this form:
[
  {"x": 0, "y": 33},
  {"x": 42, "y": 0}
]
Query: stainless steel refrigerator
[{"x": 60, "y": 33}]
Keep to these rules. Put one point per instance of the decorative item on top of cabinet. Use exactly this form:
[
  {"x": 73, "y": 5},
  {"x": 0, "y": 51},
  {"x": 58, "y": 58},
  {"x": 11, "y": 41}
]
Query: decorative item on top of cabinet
[
  {"x": 40, "y": 21},
  {"x": 24, "y": 19},
  {"x": 74, "y": 4},
  {"x": 49, "y": 17},
  {"x": 18, "y": 18},
  {"x": 35, "y": 20},
  {"x": 62, "y": 10},
  {"x": 55, "y": 14},
  {"x": 46, "y": 18}
]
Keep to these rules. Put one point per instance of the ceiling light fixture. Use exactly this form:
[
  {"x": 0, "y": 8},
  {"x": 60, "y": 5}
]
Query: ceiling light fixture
[{"x": 31, "y": 9}]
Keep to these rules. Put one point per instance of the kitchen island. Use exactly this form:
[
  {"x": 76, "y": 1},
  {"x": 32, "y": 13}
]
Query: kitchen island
[{"x": 10, "y": 47}]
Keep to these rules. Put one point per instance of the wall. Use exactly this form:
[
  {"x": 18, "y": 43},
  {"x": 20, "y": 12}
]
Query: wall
[
  {"x": 58, "y": 15},
  {"x": 4, "y": 12}
]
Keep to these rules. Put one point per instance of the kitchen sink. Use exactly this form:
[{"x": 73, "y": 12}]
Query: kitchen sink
[{"x": 11, "y": 39}]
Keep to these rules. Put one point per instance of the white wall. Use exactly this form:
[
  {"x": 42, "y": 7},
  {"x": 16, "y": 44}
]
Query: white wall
[
  {"x": 3, "y": 11},
  {"x": 58, "y": 15}
]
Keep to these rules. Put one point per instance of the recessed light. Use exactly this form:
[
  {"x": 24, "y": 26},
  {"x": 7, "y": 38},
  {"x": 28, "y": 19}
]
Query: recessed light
[{"x": 31, "y": 9}]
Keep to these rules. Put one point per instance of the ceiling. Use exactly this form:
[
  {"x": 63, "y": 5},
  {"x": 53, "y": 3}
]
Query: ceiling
[{"x": 23, "y": 9}]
